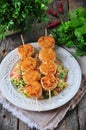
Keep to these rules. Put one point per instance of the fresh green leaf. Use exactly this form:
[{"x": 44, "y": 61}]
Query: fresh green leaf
[
  {"x": 72, "y": 33},
  {"x": 61, "y": 75},
  {"x": 15, "y": 14}
]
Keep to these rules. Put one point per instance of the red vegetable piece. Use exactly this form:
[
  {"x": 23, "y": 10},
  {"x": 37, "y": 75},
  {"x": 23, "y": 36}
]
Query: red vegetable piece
[
  {"x": 11, "y": 74},
  {"x": 52, "y": 12},
  {"x": 65, "y": 78},
  {"x": 53, "y": 24},
  {"x": 56, "y": 75},
  {"x": 60, "y": 8}
]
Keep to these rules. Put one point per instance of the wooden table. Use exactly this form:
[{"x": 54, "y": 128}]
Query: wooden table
[{"x": 74, "y": 119}]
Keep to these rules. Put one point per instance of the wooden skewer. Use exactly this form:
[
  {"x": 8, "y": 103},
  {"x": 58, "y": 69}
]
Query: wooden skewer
[
  {"x": 45, "y": 31},
  {"x": 22, "y": 39},
  {"x": 50, "y": 97},
  {"x": 37, "y": 104}
]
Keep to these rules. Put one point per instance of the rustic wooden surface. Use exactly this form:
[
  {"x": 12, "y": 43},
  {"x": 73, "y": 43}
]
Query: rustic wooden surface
[
  {"x": 76, "y": 3},
  {"x": 74, "y": 119}
]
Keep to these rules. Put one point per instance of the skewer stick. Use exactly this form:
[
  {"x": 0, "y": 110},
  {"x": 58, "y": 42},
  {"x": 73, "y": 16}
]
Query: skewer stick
[
  {"x": 45, "y": 31},
  {"x": 50, "y": 97},
  {"x": 22, "y": 39},
  {"x": 37, "y": 104}
]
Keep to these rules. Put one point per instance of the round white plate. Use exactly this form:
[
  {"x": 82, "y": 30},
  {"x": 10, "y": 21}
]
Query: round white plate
[{"x": 11, "y": 94}]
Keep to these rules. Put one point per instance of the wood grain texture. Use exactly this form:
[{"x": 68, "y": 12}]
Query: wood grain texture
[
  {"x": 71, "y": 122},
  {"x": 76, "y": 3},
  {"x": 61, "y": 125},
  {"x": 7, "y": 120},
  {"x": 23, "y": 126},
  {"x": 82, "y": 113}
]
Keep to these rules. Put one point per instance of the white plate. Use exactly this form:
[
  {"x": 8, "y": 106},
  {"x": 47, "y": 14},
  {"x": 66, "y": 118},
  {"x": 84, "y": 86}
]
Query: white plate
[{"x": 11, "y": 94}]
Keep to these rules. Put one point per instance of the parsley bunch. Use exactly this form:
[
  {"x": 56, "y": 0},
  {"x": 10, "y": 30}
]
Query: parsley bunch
[
  {"x": 20, "y": 14},
  {"x": 72, "y": 33}
]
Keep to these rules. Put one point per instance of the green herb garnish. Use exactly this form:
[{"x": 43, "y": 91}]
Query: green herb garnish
[
  {"x": 61, "y": 76},
  {"x": 26, "y": 95},
  {"x": 18, "y": 83},
  {"x": 21, "y": 14},
  {"x": 72, "y": 33}
]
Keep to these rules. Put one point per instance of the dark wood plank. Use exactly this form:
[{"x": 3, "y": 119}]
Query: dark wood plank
[
  {"x": 9, "y": 44},
  {"x": 61, "y": 125},
  {"x": 69, "y": 122},
  {"x": 7, "y": 120},
  {"x": 82, "y": 113},
  {"x": 76, "y": 3},
  {"x": 22, "y": 126},
  {"x": 37, "y": 30}
]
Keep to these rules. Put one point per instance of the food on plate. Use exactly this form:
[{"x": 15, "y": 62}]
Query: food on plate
[
  {"x": 16, "y": 72},
  {"x": 60, "y": 75},
  {"x": 31, "y": 75},
  {"x": 48, "y": 67},
  {"x": 47, "y": 54},
  {"x": 34, "y": 90},
  {"x": 41, "y": 75},
  {"x": 46, "y": 42},
  {"x": 25, "y": 50},
  {"x": 58, "y": 61},
  {"x": 49, "y": 82},
  {"x": 27, "y": 63}
]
